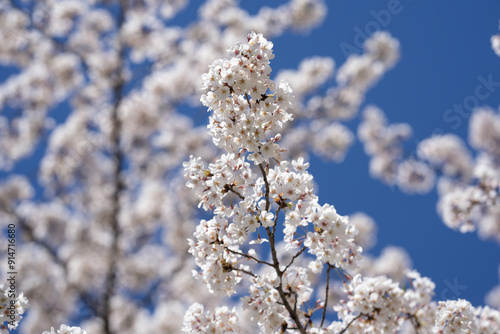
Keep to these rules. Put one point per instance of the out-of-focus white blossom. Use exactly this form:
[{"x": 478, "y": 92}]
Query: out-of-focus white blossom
[
  {"x": 305, "y": 14},
  {"x": 447, "y": 152},
  {"x": 65, "y": 329},
  {"x": 384, "y": 144},
  {"x": 493, "y": 296},
  {"x": 495, "y": 44},
  {"x": 392, "y": 262},
  {"x": 12, "y": 306},
  {"x": 221, "y": 321},
  {"x": 383, "y": 48},
  {"x": 484, "y": 131},
  {"x": 311, "y": 74},
  {"x": 415, "y": 177},
  {"x": 331, "y": 141},
  {"x": 367, "y": 230}
]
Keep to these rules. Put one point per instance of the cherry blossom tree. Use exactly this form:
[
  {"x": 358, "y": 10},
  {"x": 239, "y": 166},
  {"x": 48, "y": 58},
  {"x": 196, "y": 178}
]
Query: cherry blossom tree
[
  {"x": 102, "y": 104},
  {"x": 99, "y": 86},
  {"x": 249, "y": 187}
]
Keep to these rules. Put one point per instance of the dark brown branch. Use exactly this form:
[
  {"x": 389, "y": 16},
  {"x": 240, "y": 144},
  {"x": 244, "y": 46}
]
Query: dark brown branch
[
  {"x": 248, "y": 256},
  {"x": 237, "y": 193},
  {"x": 248, "y": 100},
  {"x": 245, "y": 271},
  {"x": 351, "y": 322},
  {"x": 119, "y": 185},
  {"x": 272, "y": 244},
  {"x": 27, "y": 230},
  {"x": 266, "y": 183},
  {"x": 414, "y": 321},
  {"x": 294, "y": 257},
  {"x": 31, "y": 236},
  {"x": 326, "y": 295}
]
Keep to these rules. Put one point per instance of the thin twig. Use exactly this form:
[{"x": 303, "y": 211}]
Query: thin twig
[
  {"x": 237, "y": 193},
  {"x": 294, "y": 257},
  {"x": 414, "y": 321},
  {"x": 350, "y": 323},
  {"x": 245, "y": 271},
  {"x": 248, "y": 100},
  {"x": 248, "y": 256},
  {"x": 293, "y": 314},
  {"x": 326, "y": 295},
  {"x": 119, "y": 185},
  {"x": 266, "y": 183}
]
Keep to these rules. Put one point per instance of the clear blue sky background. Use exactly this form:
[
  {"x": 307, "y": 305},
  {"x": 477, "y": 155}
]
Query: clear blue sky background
[{"x": 445, "y": 47}]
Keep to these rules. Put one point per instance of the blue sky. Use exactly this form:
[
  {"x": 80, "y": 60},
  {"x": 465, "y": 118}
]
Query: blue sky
[{"x": 445, "y": 55}]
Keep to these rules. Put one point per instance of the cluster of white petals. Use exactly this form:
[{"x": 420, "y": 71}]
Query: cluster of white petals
[
  {"x": 222, "y": 321},
  {"x": 12, "y": 306},
  {"x": 374, "y": 305},
  {"x": 383, "y": 143},
  {"x": 244, "y": 112},
  {"x": 65, "y": 329},
  {"x": 474, "y": 202},
  {"x": 455, "y": 316},
  {"x": 467, "y": 184},
  {"x": 263, "y": 304},
  {"x": 248, "y": 110},
  {"x": 495, "y": 44},
  {"x": 379, "y": 305},
  {"x": 360, "y": 72},
  {"x": 332, "y": 240},
  {"x": 249, "y": 201},
  {"x": 99, "y": 88}
]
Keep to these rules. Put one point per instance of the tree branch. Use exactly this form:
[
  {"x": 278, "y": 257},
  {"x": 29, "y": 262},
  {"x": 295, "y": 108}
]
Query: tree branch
[
  {"x": 272, "y": 244},
  {"x": 350, "y": 323},
  {"x": 237, "y": 193},
  {"x": 294, "y": 257},
  {"x": 118, "y": 182},
  {"x": 326, "y": 295},
  {"x": 248, "y": 256},
  {"x": 245, "y": 271}
]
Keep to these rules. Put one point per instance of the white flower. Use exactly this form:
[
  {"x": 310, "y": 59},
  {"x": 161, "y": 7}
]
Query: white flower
[
  {"x": 266, "y": 218},
  {"x": 64, "y": 329}
]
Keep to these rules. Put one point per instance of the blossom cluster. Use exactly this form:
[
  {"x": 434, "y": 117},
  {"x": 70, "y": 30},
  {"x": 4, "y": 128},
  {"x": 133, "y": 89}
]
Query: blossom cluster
[
  {"x": 379, "y": 305},
  {"x": 248, "y": 199},
  {"x": 243, "y": 111},
  {"x": 326, "y": 135},
  {"x": 11, "y": 308},
  {"x": 221, "y": 322},
  {"x": 248, "y": 109},
  {"x": 99, "y": 85},
  {"x": 65, "y": 329},
  {"x": 468, "y": 185}
]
